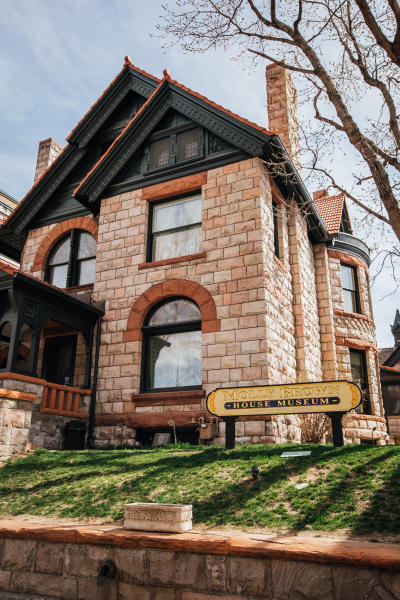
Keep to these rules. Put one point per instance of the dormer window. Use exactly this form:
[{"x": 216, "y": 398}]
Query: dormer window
[
  {"x": 188, "y": 144},
  {"x": 159, "y": 153},
  {"x": 175, "y": 148}
]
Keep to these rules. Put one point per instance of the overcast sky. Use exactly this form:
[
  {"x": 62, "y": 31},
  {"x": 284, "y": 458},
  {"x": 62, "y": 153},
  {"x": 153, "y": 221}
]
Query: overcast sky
[{"x": 56, "y": 58}]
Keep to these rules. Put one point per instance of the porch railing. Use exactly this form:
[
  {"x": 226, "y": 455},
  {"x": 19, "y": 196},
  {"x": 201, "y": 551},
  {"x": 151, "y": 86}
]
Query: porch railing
[{"x": 61, "y": 399}]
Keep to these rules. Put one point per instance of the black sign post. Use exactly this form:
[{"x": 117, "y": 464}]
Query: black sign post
[
  {"x": 229, "y": 432},
  {"x": 337, "y": 428}
]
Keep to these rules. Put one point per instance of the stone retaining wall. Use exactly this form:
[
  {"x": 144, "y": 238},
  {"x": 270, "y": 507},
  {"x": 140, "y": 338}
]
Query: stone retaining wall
[{"x": 45, "y": 562}]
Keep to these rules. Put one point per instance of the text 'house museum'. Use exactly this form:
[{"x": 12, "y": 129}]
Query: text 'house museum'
[{"x": 169, "y": 249}]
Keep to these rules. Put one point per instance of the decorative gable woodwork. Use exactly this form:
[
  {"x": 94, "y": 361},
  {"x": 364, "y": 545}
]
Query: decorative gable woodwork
[{"x": 139, "y": 169}]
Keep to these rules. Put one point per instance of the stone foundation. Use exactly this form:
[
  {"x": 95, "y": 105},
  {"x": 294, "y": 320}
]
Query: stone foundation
[
  {"x": 273, "y": 430},
  {"x": 108, "y": 436},
  {"x": 358, "y": 427},
  {"x": 394, "y": 428},
  {"x": 50, "y": 562},
  {"x": 48, "y": 431},
  {"x": 15, "y": 422}
]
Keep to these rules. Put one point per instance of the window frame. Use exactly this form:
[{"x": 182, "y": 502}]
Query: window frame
[
  {"x": 150, "y": 233},
  {"x": 172, "y": 136},
  {"x": 356, "y": 292},
  {"x": 366, "y": 401},
  {"x": 276, "y": 228},
  {"x": 73, "y": 260},
  {"x": 164, "y": 329}
]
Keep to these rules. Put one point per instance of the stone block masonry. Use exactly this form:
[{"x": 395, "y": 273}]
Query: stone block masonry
[
  {"x": 15, "y": 422},
  {"x": 268, "y": 315},
  {"x": 50, "y": 562}
]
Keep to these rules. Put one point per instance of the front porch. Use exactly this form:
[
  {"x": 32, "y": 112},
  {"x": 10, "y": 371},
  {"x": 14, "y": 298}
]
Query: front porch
[{"x": 49, "y": 348}]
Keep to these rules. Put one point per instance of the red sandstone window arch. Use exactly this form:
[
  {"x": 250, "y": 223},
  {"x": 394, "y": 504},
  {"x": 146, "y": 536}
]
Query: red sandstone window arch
[
  {"x": 86, "y": 223},
  {"x": 161, "y": 291}
]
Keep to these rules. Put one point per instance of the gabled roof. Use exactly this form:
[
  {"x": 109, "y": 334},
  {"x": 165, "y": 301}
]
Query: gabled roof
[
  {"x": 162, "y": 94},
  {"x": 331, "y": 210},
  {"x": 129, "y": 78},
  {"x": 169, "y": 93}
]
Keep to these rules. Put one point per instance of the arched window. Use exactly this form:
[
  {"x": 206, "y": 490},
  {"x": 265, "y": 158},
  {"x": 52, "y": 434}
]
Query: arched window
[
  {"x": 72, "y": 260},
  {"x": 172, "y": 346}
]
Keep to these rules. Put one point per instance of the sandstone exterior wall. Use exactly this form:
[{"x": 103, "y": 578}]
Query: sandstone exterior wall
[
  {"x": 305, "y": 307},
  {"x": 357, "y": 331},
  {"x": 278, "y": 320},
  {"x": 37, "y": 568}
]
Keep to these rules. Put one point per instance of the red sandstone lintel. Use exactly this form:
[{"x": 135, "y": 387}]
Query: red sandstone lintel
[
  {"x": 171, "y": 261},
  {"x": 159, "y": 191},
  {"x": 163, "y": 396}
]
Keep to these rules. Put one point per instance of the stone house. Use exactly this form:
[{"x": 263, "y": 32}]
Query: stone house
[{"x": 171, "y": 248}]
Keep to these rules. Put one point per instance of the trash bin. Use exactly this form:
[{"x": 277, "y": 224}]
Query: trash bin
[{"x": 75, "y": 434}]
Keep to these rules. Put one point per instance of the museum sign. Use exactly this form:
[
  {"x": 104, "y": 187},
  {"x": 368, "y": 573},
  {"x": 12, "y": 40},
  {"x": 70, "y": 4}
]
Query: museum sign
[{"x": 331, "y": 397}]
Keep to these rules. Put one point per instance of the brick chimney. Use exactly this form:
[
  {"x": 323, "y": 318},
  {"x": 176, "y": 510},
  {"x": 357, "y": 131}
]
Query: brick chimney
[
  {"x": 47, "y": 153},
  {"x": 282, "y": 110},
  {"x": 319, "y": 194}
]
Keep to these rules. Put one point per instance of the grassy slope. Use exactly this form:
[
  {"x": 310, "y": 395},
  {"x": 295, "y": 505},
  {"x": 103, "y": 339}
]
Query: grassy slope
[{"x": 356, "y": 488}]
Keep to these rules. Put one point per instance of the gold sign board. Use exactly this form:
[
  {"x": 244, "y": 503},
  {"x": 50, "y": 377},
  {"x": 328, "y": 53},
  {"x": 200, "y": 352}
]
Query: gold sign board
[{"x": 292, "y": 398}]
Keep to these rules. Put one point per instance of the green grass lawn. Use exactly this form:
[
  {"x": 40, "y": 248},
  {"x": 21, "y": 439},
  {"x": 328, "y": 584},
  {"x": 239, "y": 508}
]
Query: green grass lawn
[{"x": 354, "y": 488}]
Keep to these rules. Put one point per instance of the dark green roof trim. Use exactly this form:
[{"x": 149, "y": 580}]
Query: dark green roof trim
[
  {"x": 129, "y": 79},
  {"x": 291, "y": 184},
  {"x": 8, "y": 196},
  {"x": 44, "y": 188},
  {"x": 349, "y": 243},
  {"x": 62, "y": 302}
]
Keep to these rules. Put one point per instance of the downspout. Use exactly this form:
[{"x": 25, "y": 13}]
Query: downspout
[{"x": 92, "y": 409}]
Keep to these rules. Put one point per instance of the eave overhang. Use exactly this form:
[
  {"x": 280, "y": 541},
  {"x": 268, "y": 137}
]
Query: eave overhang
[
  {"x": 291, "y": 184},
  {"x": 62, "y": 306}
]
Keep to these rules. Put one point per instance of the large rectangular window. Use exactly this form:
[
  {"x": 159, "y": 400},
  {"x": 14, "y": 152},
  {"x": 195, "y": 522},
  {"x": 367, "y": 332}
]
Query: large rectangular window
[
  {"x": 351, "y": 298},
  {"x": 359, "y": 376},
  {"x": 176, "y": 228}
]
